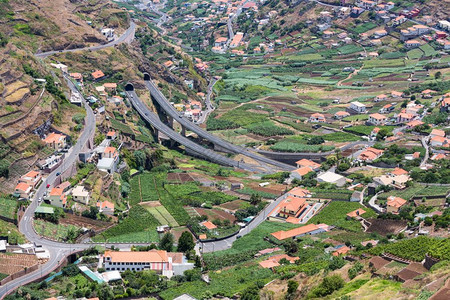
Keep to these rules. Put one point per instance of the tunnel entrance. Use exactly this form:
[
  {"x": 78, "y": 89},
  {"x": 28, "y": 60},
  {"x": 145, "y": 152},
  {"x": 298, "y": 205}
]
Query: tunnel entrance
[
  {"x": 146, "y": 77},
  {"x": 129, "y": 87}
]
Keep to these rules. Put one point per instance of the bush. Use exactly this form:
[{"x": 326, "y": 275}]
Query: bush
[{"x": 328, "y": 286}]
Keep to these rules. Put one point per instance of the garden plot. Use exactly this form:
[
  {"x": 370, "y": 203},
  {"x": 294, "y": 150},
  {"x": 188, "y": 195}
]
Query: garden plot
[
  {"x": 215, "y": 214},
  {"x": 160, "y": 213}
]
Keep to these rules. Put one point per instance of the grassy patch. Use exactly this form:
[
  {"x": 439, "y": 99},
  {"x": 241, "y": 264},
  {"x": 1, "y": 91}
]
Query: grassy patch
[
  {"x": 335, "y": 214},
  {"x": 8, "y": 208}
]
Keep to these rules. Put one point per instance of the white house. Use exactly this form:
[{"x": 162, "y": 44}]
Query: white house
[
  {"x": 358, "y": 107},
  {"x": 333, "y": 178},
  {"x": 80, "y": 194},
  {"x": 377, "y": 119}
]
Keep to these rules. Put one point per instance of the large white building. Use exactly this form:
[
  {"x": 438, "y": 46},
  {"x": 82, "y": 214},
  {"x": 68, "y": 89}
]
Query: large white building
[{"x": 160, "y": 261}]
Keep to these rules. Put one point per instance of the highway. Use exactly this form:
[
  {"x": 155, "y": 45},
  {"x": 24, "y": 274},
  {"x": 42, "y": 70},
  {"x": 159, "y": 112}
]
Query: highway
[
  {"x": 172, "y": 112},
  {"x": 201, "y": 151},
  {"x": 126, "y": 37}
]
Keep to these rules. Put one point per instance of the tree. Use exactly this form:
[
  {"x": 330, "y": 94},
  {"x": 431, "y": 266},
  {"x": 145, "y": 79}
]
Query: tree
[
  {"x": 166, "y": 242},
  {"x": 250, "y": 293},
  {"x": 255, "y": 199},
  {"x": 437, "y": 75},
  {"x": 292, "y": 286},
  {"x": 329, "y": 285},
  {"x": 186, "y": 242},
  {"x": 291, "y": 247}
]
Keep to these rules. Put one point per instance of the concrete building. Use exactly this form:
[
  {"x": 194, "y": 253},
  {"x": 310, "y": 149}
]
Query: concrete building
[
  {"x": 32, "y": 178},
  {"x": 331, "y": 177},
  {"x": 80, "y": 194}
]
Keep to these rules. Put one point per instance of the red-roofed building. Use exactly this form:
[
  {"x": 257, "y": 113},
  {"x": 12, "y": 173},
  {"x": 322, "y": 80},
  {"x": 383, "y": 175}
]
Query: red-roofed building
[
  {"x": 404, "y": 118},
  {"x": 377, "y": 119},
  {"x": 370, "y": 154},
  {"x": 341, "y": 251},
  {"x": 300, "y": 173},
  {"x": 97, "y": 75},
  {"x": 106, "y": 207},
  {"x": 32, "y": 178},
  {"x": 317, "y": 118},
  {"x": 57, "y": 197},
  {"x": 356, "y": 213},
  {"x": 55, "y": 140},
  {"x": 208, "y": 225},
  {"x": 394, "y": 204},
  {"x": 274, "y": 261},
  {"x": 22, "y": 190},
  {"x": 309, "y": 229},
  {"x": 308, "y": 163}
]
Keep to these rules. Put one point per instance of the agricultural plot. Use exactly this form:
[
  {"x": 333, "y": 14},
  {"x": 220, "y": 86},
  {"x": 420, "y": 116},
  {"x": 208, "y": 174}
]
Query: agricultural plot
[
  {"x": 417, "y": 191},
  {"x": 365, "y": 130},
  {"x": 428, "y": 50},
  {"x": 296, "y": 145},
  {"x": 59, "y": 232},
  {"x": 415, "y": 53},
  {"x": 8, "y": 208},
  {"x": 364, "y": 27},
  {"x": 335, "y": 214},
  {"x": 161, "y": 214},
  {"x": 268, "y": 128},
  {"x": 138, "y": 226}
]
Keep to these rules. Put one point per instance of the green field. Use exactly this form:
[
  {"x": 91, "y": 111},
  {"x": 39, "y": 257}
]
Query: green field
[
  {"x": 8, "y": 207},
  {"x": 138, "y": 226},
  {"x": 335, "y": 214},
  {"x": 417, "y": 191},
  {"x": 10, "y": 230},
  {"x": 162, "y": 215},
  {"x": 415, "y": 53},
  {"x": 53, "y": 231}
]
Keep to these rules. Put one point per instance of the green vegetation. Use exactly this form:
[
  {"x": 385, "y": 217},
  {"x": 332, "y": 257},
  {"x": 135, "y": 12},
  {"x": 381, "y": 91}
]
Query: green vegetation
[
  {"x": 138, "y": 226},
  {"x": 335, "y": 214},
  {"x": 59, "y": 232},
  {"x": 8, "y": 207},
  {"x": 416, "y": 248},
  {"x": 298, "y": 145},
  {"x": 268, "y": 129}
]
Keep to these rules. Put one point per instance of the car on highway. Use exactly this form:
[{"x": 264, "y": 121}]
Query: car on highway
[
  {"x": 48, "y": 185},
  {"x": 58, "y": 173}
]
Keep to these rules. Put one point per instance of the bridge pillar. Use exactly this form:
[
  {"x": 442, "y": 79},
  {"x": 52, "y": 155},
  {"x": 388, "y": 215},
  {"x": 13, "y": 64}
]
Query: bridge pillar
[
  {"x": 170, "y": 120},
  {"x": 183, "y": 131}
]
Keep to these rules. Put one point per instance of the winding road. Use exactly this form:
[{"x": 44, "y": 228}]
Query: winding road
[{"x": 126, "y": 37}]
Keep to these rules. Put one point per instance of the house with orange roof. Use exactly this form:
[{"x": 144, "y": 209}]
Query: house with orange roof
[
  {"x": 412, "y": 44},
  {"x": 341, "y": 251},
  {"x": 78, "y": 77},
  {"x": 404, "y": 117},
  {"x": 220, "y": 42},
  {"x": 168, "y": 64},
  {"x": 110, "y": 152},
  {"x": 106, "y": 207},
  {"x": 57, "y": 197},
  {"x": 111, "y": 135},
  {"x": 97, "y": 75},
  {"x": 395, "y": 94},
  {"x": 298, "y": 192},
  {"x": 394, "y": 204},
  {"x": 308, "y": 163},
  {"x": 291, "y": 207},
  {"x": 381, "y": 97},
  {"x": 309, "y": 229},
  {"x": 300, "y": 172},
  {"x": 398, "y": 172},
  {"x": 438, "y": 156},
  {"x": 414, "y": 123},
  {"x": 317, "y": 118},
  {"x": 110, "y": 87},
  {"x": 22, "y": 190},
  {"x": 370, "y": 154},
  {"x": 377, "y": 119},
  {"x": 445, "y": 105},
  {"x": 237, "y": 40},
  {"x": 437, "y": 132},
  {"x": 341, "y": 114},
  {"x": 56, "y": 141},
  {"x": 427, "y": 94},
  {"x": 32, "y": 178},
  {"x": 208, "y": 225},
  {"x": 160, "y": 261},
  {"x": 109, "y": 160},
  {"x": 274, "y": 261},
  {"x": 356, "y": 213},
  {"x": 439, "y": 141},
  {"x": 387, "y": 108}
]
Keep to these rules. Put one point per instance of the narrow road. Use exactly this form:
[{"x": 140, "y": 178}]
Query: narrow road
[
  {"x": 227, "y": 243},
  {"x": 57, "y": 251},
  {"x": 209, "y": 107},
  {"x": 126, "y": 37},
  {"x": 424, "y": 141}
]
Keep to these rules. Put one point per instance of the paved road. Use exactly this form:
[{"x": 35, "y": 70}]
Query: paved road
[
  {"x": 424, "y": 141},
  {"x": 126, "y": 37},
  {"x": 209, "y": 107},
  {"x": 171, "y": 111},
  {"x": 227, "y": 243},
  {"x": 57, "y": 251}
]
